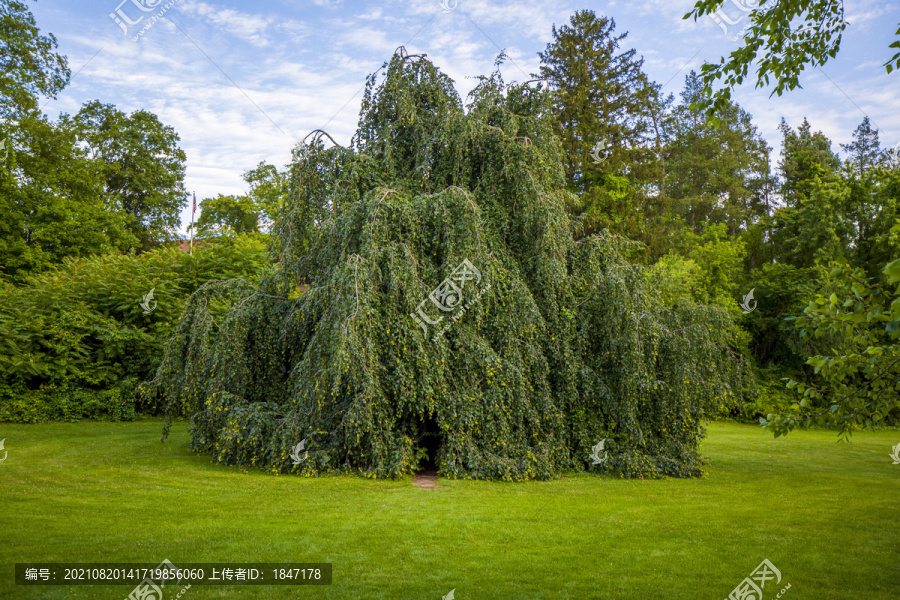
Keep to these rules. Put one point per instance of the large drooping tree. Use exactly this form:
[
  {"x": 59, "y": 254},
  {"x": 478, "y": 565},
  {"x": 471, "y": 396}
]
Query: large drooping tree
[{"x": 447, "y": 295}]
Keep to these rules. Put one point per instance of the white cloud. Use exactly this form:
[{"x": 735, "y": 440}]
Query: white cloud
[{"x": 252, "y": 28}]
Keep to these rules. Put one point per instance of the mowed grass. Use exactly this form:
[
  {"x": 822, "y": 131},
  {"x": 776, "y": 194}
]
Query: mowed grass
[{"x": 827, "y": 515}]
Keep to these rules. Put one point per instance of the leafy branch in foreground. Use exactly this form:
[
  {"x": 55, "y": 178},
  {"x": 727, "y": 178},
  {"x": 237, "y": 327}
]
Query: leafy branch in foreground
[
  {"x": 859, "y": 381},
  {"x": 782, "y": 40}
]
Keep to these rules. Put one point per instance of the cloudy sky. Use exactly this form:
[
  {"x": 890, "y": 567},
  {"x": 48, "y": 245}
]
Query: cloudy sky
[{"x": 242, "y": 82}]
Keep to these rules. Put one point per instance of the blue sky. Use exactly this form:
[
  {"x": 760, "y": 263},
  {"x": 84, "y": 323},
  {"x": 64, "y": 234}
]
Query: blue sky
[{"x": 242, "y": 82}]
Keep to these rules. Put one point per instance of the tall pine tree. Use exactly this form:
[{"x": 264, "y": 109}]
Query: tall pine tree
[
  {"x": 603, "y": 102},
  {"x": 864, "y": 150},
  {"x": 715, "y": 175},
  {"x": 813, "y": 225}
]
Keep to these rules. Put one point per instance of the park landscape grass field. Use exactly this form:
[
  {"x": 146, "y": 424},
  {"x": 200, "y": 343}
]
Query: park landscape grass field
[{"x": 824, "y": 513}]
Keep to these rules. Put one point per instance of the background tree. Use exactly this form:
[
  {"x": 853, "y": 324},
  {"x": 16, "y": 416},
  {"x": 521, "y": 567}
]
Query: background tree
[
  {"x": 249, "y": 213},
  {"x": 227, "y": 215},
  {"x": 710, "y": 171},
  {"x": 600, "y": 95},
  {"x": 142, "y": 165},
  {"x": 876, "y": 206},
  {"x": 865, "y": 149},
  {"x": 29, "y": 64},
  {"x": 97, "y": 183},
  {"x": 269, "y": 190},
  {"x": 812, "y": 225},
  {"x": 51, "y": 200},
  {"x": 805, "y": 156},
  {"x": 872, "y": 203}
]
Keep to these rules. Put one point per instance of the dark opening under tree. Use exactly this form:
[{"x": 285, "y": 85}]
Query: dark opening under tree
[{"x": 561, "y": 344}]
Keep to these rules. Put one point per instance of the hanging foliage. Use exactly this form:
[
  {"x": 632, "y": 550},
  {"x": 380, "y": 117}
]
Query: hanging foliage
[{"x": 446, "y": 295}]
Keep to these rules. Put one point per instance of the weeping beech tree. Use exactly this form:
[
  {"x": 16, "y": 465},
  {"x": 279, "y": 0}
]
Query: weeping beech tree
[{"x": 564, "y": 345}]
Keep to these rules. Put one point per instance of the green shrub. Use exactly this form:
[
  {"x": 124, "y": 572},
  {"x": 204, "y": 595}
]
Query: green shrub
[
  {"x": 74, "y": 339},
  {"x": 773, "y": 397},
  {"x": 67, "y": 404}
]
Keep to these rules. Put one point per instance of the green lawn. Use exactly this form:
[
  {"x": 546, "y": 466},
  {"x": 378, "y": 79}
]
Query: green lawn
[{"x": 827, "y": 515}]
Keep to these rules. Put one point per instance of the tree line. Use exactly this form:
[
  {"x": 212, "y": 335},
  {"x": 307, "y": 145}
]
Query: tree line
[{"x": 717, "y": 211}]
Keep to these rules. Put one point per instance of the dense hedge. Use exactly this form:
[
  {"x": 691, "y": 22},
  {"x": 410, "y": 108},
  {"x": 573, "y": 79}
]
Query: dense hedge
[
  {"x": 565, "y": 346},
  {"x": 75, "y": 339},
  {"x": 52, "y": 403}
]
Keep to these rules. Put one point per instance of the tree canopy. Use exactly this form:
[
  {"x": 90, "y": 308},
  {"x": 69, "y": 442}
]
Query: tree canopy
[
  {"x": 96, "y": 183},
  {"x": 605, "y": 109},
  {"x": 142, "y": 166},
  {"x": 858, "y": 381},
  {"x": 447, "y": 295},
  {"x": 250, "y": 212},
  {"x": 29, "y": 64}
]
